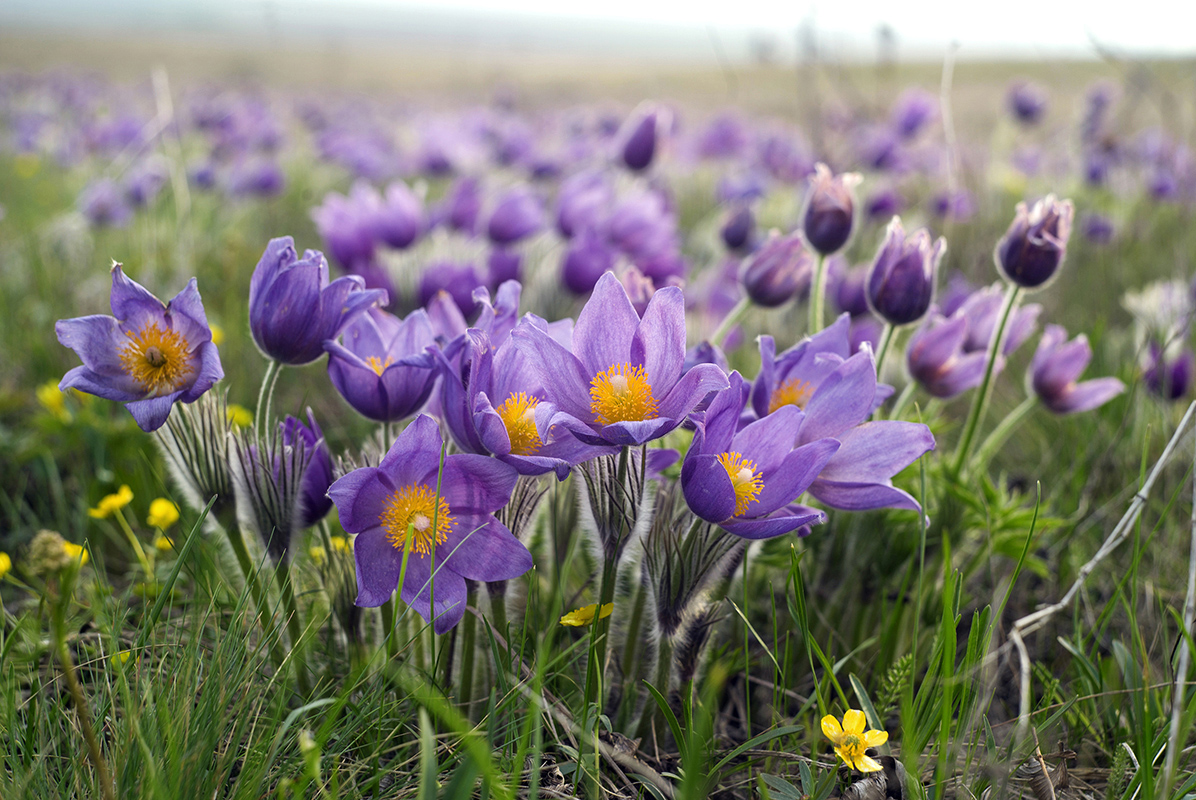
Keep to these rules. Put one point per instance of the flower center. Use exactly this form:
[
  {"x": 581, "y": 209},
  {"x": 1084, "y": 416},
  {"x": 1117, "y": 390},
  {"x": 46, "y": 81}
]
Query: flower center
[
  {"x": 415, "y": 511},
  {"x": 744, "y": 477},
  {"x": 157, "y": 359},
  {"x": 518, "y": 414},
  {"x": 793, "y": 392},
  {"x": 852, "y": 743},
  {"x": 378, "y": 365},
  {"x": 621, "y": 394}
]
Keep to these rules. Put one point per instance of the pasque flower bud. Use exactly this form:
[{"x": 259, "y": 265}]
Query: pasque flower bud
[
  {"x": 637, "y": 144},
  {"x": 901, "y": 281},
  {"x": 830, "y": 209},
  {"x": 1032, "y": 249},
  {"x": 777, "y": 270}
]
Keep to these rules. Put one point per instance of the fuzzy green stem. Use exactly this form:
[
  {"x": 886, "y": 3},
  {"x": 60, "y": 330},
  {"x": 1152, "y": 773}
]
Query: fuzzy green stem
[
  {"x": 984, "y": 393},
  {"x": 260, "y": 597},
  {"x": 664, "y": 660},
  {"x": 265, "y": 395},
  {"x": 468, "y": 625},
  {"x": 282, "y": 574},
  {"x": 990, "y": 446},
  {"x": 729, "y": 321},
  {"x": 886, "y": 341},
  {"x": 631, "y": 654},
  {"x": 817, "y": 295},
  {"x": 903, "y": 399},
  {"x": 389, "y": 639}
]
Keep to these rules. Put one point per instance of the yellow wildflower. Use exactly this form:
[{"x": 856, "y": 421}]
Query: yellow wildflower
[
  {"x": 585, "y": 615},
  {"x": 75, "y": 551},
  {"x": 112, "y": 503},
  {"x": 53, "y": 400},
  {"x": 162, "y": 514},
  {"x": 122, "y": 657},
  {"x": 340, "y": 544},
  {"x": 240, "y": 416},
  {"x": 217, "y": 335},
  {"x": 5, "y": 564},
  {"x": 851, "y": 740},
  {"x": 318, "y": 554},
  {"x": 163, "y": 543}
]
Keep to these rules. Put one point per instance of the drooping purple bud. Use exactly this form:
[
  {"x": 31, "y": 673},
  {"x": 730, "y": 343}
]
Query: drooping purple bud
[
  {"x": 518, "y": 213},
  {"x": 739, "y": 229},
  {"x": 914, "y": 109},
  {"x": 1169, "y": 375},
  {"x": 830, "y": 209},
  {"x": 773, "y": 274},
  {"x": 901, "y": 281},
  {"x": 463, "y": 203},
  {"x": 315, "y": 503},
  {"x": 637, "y": 145},
  {"x": 1056, "y": 369},
  {"x": 1027, "y": 101},
  {"x": 587, "y": 258},
  {"x": 1033, "y": 248}
]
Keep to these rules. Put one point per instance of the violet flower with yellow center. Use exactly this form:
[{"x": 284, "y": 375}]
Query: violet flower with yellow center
[
  {"x": 851, "y": 740},
  {"x": 147, "y": 355},
  {"x": 748, "y": 481},
  {"x": 381, "y": 368},
  {"x": 441, "y": 517},
  {"x": 620, "y": 381}
]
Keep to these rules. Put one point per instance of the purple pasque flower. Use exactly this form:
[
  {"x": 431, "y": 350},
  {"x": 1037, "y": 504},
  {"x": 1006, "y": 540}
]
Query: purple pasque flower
[
  {"x": 382, "y": 369},
  {"x": 105, "y": 205},
  {"x": 347, "y": 231},
  {"x": 982, "y": 309},
  {"x": 829, "y": 210},
  {"x": 622, "y": 383},
  {"x": 793, "y": 377},
  {"x": 398, "y": 219},
  {"x": 147, "y": 355},
  {"x": 738, "y": 231},
  {"x": 900, "y": 282},
  {"x": 1056, "y": 368},
  {"x": 517, "y": 214},
  {"x": 1168, "y": 371},
  {"x": 459, "y": 280},
  {"x": 1030, "y": 252},
  {"x": 293, "y": 309},
  {"x": 914, "y": 110},
  {"x": 317, "y": 477},
  {"x": 440, "y": 516},
  {"x": 747, "y": 481},
  {"x": 1027, "y": 101},
  {"x": 582, "y": 202},
  {"x": 587, "y": 259},
  {"x": 779, "y": 269},
  {"x": 638, "y": 140}
]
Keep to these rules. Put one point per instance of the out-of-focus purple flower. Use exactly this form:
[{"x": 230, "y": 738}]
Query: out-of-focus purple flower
[
  {"x": 882, "y": 204},
  {"x": 937, "y": 360},
  {"x": 705, "y": 353},
  {"x": 314, "y": 504},
  {"x": 741, "y": 188},
  {"x": 958, "y": 290},
  {"x": 746, "y": 480},
  {"x": 463, "y": 203},
  {"x": 792, "y": 378},
  {"x": 1162, "y": 183},
  {"x": 147, "y": 355},
  {"x": 901, "y": 280},
  {"x": 1033, "y": 248},
  {"x": 144, "y": 181},
  {"x": 1056, "y": 368},
  {"x": 1168, "y": 371},
  {"x": 459, "y": 280},
  {"x": 639, "y": 287},
  {"x": 256, "y": 177},
  {"x": 1097, "y": 163},
  {"x": 582, "y": 202},
  {"x": 726, "y": 136},
  {"x": 981, "y": 310},
  {"x": 440, "y": 516},
  {"x": 503, "y": 265},
  {"x": 848, "y": 290},
  {"x": 622, "y": 382},
  {"x": 785, "y": 157},
  {"x": 382, "y": 369},
  {"x": 773, "y": 274},
  {"x": 957, "y": 206},
  {"x": 105, "y": 205},
  {"x": 739, "y": 229},
  {"x": 293, "y": 308},
  {"x": 399, "y": 219},
  {"x": 639, "y": 140},
  {"x": 1027, "y": 102},
  {"x": 517, "y": 214},
  {"x": 865, "y": 328},
  {"x": 914, "y": 109},
  {"x": 203, "y": 175},
  {"x": 640, "y": 226},
  {"x": 587, "y": 258},
  {"x": 1097, "y": 228},
  {"x": 345, "y": 230},
  {"x": 829, "y": 210}
]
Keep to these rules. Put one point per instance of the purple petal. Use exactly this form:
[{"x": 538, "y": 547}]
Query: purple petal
[
  {"x": 797, "y": 471},
  {"x": 415, "y": 454},
  {"x": 419, "y": 585},
  {"x": 85, "y": 380},
  {"x": 210, "y": 371},
  {"x": 722, "y": 415},
  {"x": 378, "y": 565},
  {"x": 97, "y": 339},
  {"x": 707, "y": 487},
  {"x": 487, "y": 552},
  {"x": 768, "y": 441},
  {"x": 966, "y": 373},
  {"x": 1088, "y": 395},
  {"x": 361, "y": 497},
  {"x": 131, "y": 302},
  {"x": 876, "y": 451},
  {"x": 659, "y": 341},
  {"x": 844, "y": 399},
  {"x": 565, "y": 379},
  {"x": 152, "y": 413},
  {"x": 783, "y": 521},
  {"x": 861, "y": 496},
  {"x": 635, "y": 433},
  {"x": 474, "y": 484},
  {"x": 693, "y": 387},
  {"x": 605, "y": 327}
]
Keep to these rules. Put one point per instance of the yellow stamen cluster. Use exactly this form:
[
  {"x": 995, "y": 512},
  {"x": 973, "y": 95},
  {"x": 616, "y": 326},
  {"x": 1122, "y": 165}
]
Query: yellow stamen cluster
[
  {"x": 518, "y": 414},
  {"x": 378, "y": 365},
  {"x": 793, "y": 392},
  {"x": 744, "y": 477},
  {"x": 157, "y": 359},
  {"x": 622, "y": 394},
  {"x": 418, "y": 511}
]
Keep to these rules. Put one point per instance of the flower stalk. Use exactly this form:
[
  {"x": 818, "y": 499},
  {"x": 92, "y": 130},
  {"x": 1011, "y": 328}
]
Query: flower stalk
[{"x": 817, "y": 295}]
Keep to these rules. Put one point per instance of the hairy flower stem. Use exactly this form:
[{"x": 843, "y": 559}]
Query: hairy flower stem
[
  {"x": 664, "y": 660},
  {"x": 993, "y": 442},
  {"x": 729, "y": 321},
  {"x": 389, "y": 639},
  {"x": 817, "y": 295},
  {"x": 886, "y": 341},
  {"x": 984, "y": 393},
  {"x": 468, "y": 625},
  {"x": 498, "y": 606},
  {"x": 78, "y": 699},
  {"x": 282, "y": 575},
  {"x": 265, "y": 395},
  {"x": 631, "y": 655},
  {"x": 260, "y": 597}
]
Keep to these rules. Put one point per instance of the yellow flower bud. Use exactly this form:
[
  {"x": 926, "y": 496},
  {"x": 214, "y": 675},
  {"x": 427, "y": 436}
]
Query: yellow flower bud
[{"x": 162, "y": 514}]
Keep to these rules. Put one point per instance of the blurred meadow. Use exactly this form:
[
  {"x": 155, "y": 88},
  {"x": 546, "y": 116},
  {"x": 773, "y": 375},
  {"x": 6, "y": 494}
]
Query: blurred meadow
[{"x": 162, "y": 668}]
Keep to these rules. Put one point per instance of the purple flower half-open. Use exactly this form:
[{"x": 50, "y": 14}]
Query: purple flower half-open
[
  {"x": 450, "y": 535},
  {"x": 747, "y": 481},
  {"x": 1056, "y": 368},
  {"x": 382, "y": 369},
  {"x": 622, "y": 384},
  {"x": 147, "y": 355},
  {"x": 293, "y": 308}
]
